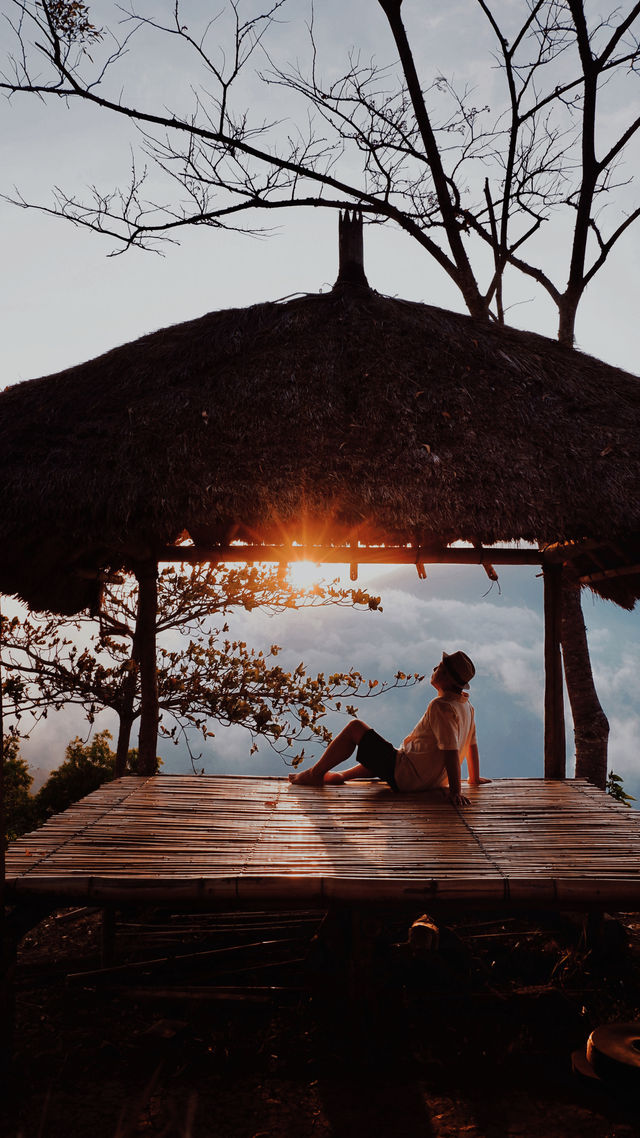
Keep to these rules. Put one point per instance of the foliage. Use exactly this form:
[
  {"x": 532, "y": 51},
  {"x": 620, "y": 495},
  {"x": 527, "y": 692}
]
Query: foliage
[
  {"x": 203, "y": 674},
  {"x": 69, "y": 21},
  {"x": 19, "y": 813},
  {"x": 86, "y": 766},
  {"x": 616, "y": 789}
]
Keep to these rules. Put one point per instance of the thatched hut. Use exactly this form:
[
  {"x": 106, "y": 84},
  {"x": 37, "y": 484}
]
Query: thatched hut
[{"x": 343, "y": 421}]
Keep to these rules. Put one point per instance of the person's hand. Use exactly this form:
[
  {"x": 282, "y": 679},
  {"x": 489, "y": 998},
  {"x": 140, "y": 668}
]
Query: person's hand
[{"x": 458, "y": 799}]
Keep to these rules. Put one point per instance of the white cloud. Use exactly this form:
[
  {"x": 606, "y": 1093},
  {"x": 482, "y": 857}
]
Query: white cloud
[
  {"x": 624, "y": 746},
  {"x": 618, "y": 677}
]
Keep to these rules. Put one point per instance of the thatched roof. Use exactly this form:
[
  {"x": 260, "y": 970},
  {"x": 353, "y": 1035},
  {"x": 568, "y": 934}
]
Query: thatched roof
[{"x": 328, "y": 416}]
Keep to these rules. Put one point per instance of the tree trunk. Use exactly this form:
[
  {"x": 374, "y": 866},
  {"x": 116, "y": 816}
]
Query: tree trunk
[
  {"x": 147, "y": 575},
  {"x": 126, "y": 714},
  {"x": 125, "y": 723},
  {"x": 590, "y": 724},
  {"x": 567, "y": 320}
]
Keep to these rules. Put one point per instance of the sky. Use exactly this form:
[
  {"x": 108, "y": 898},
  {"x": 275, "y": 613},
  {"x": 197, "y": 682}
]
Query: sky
[{"x": 64, "y": 300}]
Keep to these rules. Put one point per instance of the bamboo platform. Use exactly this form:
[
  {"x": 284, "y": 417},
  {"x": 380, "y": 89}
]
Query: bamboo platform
[{"x": 225, "y": 840}]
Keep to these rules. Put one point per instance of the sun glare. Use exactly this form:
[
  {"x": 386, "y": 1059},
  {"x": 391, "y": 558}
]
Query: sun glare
[{"x": 306, "y": 574}]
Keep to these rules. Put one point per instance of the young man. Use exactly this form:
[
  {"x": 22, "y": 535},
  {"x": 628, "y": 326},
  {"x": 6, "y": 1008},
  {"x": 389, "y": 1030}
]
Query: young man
[{"x": 429, "y": 757}]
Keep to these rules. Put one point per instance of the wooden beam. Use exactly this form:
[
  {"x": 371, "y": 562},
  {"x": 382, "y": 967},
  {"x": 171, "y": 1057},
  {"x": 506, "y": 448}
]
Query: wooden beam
[
  {"x": 147, "y": 575},
  {"x": 554, "y": 730},
  {"x": 569, "y": 550},
  {"x": 347, "y": 555},
  {"x": 606, "y": 574}
]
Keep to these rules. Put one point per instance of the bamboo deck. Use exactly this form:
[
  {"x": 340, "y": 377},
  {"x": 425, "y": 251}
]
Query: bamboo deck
[{"x": 226, "y": 840}]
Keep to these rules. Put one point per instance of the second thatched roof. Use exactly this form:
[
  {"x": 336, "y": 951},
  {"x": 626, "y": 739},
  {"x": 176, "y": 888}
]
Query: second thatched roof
[{"x": 345, "y": 415}]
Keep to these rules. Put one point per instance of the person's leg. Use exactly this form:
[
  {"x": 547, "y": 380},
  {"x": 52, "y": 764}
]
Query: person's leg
[
  {"x": 337, "y": 752},
  {"x": 336, "y": 778}
]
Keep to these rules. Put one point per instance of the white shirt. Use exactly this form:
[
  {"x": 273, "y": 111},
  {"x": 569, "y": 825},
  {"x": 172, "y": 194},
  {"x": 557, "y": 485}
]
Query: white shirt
[{"x": 448, "y": 724}]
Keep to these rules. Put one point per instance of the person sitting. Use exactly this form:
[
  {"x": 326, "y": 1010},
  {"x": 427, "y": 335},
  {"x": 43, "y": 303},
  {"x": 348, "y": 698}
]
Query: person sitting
[{"x": 430, "y": 756}]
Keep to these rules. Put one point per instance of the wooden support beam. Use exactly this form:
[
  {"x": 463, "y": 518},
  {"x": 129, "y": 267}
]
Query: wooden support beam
[
  {"x": 569, "y": 550},
  {"x": 554, "y": 730},
  {"x": 606, "y": 574},
  {"x": 147, "y": 576},
  {"x": 348, "y": 554}
]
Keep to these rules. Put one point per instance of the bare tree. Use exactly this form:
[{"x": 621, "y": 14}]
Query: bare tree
[
  {"x": 458, "y": 178},
  {"x": 476, "y": 186}
]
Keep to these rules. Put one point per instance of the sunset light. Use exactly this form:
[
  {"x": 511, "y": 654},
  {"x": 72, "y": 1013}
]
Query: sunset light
[{"x": 306, "y": 574}]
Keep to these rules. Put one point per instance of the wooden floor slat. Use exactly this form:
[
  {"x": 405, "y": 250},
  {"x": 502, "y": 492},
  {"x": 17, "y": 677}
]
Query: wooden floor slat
[{"x": 222, "y": 838}]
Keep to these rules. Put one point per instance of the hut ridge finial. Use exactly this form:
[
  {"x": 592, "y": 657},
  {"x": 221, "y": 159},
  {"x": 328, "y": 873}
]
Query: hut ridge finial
[{"x": 351, "y": 249}]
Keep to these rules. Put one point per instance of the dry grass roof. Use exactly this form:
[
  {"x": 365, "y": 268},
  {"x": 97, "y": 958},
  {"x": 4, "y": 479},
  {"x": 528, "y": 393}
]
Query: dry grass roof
[{"x": 322, "y": 418}]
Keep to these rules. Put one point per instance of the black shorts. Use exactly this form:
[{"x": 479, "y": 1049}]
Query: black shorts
[{"x": 378, "y": 756}]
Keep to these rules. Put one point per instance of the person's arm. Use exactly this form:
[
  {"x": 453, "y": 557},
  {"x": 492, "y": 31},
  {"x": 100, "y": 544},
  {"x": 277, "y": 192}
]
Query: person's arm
[
  {"x": 473, "y": 766},
  {"x": 452, "y": 767}
]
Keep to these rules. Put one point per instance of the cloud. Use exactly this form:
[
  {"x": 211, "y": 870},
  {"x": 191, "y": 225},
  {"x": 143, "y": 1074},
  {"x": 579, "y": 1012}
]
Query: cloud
[
  {"x": 502, "y": 632},
  {"x": 624, "y": 746},
  {"x": 505, "y": 641}
]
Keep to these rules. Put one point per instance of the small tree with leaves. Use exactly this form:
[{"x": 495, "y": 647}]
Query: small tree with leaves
[
  {"x": 19, "y": 806},
  {"x": 204, "y": 675},
  {"x": 615, "y": 787},
  {"x": 86, "y": 766}
]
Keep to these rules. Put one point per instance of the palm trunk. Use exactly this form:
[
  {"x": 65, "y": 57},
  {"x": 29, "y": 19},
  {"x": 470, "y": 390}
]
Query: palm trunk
[{"x": 590, "y": 724}]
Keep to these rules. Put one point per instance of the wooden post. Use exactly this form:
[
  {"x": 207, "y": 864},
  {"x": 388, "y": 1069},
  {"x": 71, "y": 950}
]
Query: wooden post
[
  {"x": 147, "y": 575},
  {"x": 8, "y": 943},
  {"x": 2, "y": 793},
  {"x": 554, "y": 731},
  {"x": 7, "y": 946},
  {"x": 351, "y": 246}
]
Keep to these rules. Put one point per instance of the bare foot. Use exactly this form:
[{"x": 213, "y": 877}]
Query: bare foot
[
  {"x": 306, "y": 778},
  {"x": 333, "y": 778}
]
